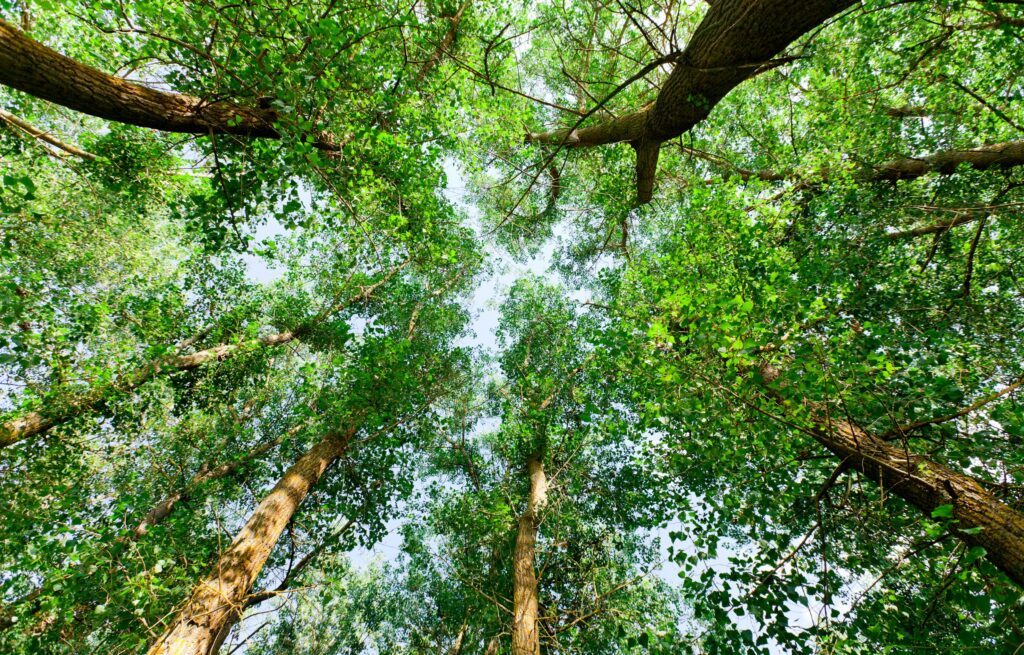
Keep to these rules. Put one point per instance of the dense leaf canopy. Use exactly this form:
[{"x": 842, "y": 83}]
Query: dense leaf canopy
[{"x": 357, "y": 326}]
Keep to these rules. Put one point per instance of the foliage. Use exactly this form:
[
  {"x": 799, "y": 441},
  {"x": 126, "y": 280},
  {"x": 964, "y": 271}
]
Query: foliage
[{"x": 669, "y": 365}]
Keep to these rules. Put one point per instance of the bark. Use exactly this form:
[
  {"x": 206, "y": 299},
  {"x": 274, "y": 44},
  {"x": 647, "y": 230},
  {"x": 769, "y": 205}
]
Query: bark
[
  {"x": 294, "y": 572},
  {"x": 926, "y": 484},
  {"x": 217, "y": 602},
  {"x": 907, "y": 111},
  {"x": 36, "y": 133},
  {"x": 31, "y": 67},
  {"x": 735, "y": 40},
  {"x": 163, "y": 509},
  {"x": 525, "y": 604},
  {"x": 445, "y": 44},
  {"x": 492, "y": 646},
  {"x": 1005, "y": 155},
  {"x": 457, "y": 644},
  {"x": 34, "y": 423}
]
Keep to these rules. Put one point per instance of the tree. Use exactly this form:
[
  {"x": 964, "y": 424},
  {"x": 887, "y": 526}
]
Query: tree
[{"x": 250, "y": 261}]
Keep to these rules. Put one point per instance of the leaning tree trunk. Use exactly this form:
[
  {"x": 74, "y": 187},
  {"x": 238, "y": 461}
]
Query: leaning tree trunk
[
  {"x": 30, "y": 66},
  {"x": 31, "y": 424},
  {"x": 926, "y": 484},
  {"x": 217, "y": 601},
  {"x": 923, "y": 483},
  {"x": 525, "y": 633}
]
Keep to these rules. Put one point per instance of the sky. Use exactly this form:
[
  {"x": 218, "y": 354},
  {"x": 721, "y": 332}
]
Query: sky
[{"x": 484, "y": 304}]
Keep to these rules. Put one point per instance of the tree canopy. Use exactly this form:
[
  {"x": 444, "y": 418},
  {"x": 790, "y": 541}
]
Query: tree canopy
[{"x": 337, "y": 327}]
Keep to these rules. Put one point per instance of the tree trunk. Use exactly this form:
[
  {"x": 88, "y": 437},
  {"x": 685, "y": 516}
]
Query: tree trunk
[
  {"x": 1007, "y": 154},
  {"x": 926, "y": 484},
  {"x": 457, "y": 644},
  {"x": 163, "y": 509},
  {"x": 33, "y": 423},
  {"x": 33, "y": 68},
  {"x": 525, "y": 633},
  {"x": 217, "y": 601},
  {"x": 923, "y": 483},
  {"x": 735, "y": 40}
]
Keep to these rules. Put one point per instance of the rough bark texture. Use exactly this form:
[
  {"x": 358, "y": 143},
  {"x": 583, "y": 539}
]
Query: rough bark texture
[
  {"x": 445, "y": 44},
  {"x": 163, "y": 509},
  {"x": 525, "y": 604},
  {"x": 492, "y": 646},
  {"x": 735, "y": 40},
  {"x": 457, "y": 644},
  {"x": 1007, "y": 154},
  {"x": 997, "y": 155},
  {"x": 216, "y": 602},
  {"x": 926, "y": 484},
  {"x": 923, "y": 483},
  {"x": 33, "y": 68}
]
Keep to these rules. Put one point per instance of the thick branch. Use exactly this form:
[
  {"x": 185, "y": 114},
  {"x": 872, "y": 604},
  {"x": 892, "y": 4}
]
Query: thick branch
[
  {"x": 924, "y": 484},
  {"x": 163, "y": 509},
  {"x": 1006, "y": 154},
  {"x": 31, "y": 67},
  {"x": 735, "y": 41}
]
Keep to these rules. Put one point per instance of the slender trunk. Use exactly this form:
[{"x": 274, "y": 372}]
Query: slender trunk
[
  {"x": 217, "y": 601},
  {"x": 525, "y": 632},
  {"x": 492, "y": 646},
  {"x": 163, "y": 509},
  {"x": 31, "y": 67},
  {"x": 36, "y": 133},
  {"x": 457, "y": 644},
  {"x": 34, "y": 423},
  {"x": 926, "y": 484}
]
